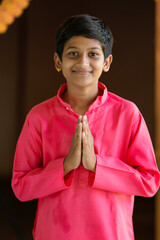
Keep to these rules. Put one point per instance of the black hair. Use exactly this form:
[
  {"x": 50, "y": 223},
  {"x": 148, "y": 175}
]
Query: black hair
[{"x": 87, "y": 26}]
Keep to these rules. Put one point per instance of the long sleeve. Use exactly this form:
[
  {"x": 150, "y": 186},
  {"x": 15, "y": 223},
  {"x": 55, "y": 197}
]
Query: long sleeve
[
  {"x": 139, "y": 175},
  {"x": 126, "y": 166},
  {"x": 31, "y": 179}
]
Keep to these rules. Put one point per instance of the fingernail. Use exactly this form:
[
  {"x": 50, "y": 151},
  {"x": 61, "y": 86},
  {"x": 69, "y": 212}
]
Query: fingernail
[
  {"x": 80, "y": 117},
  {"x": 85, "y": 117}
]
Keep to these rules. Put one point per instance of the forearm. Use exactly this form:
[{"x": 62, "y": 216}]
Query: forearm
[
  {"x": 114, "y": 175},
  {"x": 39, "y": 182}
]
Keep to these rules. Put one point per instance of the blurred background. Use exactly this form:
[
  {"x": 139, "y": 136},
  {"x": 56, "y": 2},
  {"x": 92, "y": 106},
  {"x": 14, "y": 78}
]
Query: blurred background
[{"x": 28, "y": 77}]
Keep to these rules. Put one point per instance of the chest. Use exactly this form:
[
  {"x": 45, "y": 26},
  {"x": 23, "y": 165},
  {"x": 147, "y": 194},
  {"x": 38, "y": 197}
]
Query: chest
[{"x": 110, "y": 136}]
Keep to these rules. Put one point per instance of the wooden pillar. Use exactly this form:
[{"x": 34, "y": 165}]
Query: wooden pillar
[{"x": 157, "y": 111}]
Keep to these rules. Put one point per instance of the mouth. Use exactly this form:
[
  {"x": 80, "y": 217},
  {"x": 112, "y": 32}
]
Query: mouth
[{"x": 82, "y": 72}]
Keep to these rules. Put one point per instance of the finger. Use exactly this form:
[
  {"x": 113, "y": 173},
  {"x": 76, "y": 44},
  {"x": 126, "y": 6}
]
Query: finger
[
  {"x": 79, "y": 119},
  {"x": 84, "y": 142},
  {"x": 77, "y": 126},
  {"x": 88, "y": 135},
  {"x": 77, "y": 139},
  {"x": 86, "y": 128},
  {"x": 84, "y": 121},
  {"x": 84, "y": 139}
]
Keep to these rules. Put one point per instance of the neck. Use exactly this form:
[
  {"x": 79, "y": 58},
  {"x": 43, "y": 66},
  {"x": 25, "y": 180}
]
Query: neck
[{"x": 80, "y": 99}]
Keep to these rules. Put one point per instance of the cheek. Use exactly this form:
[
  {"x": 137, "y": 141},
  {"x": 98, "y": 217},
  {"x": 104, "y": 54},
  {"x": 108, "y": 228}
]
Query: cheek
[
  {"x": 67, "y": 65},
  {"x": 99, "y": 64},
  {"x": 65, "y": 68},
  {"x": 98, "y": 67}
]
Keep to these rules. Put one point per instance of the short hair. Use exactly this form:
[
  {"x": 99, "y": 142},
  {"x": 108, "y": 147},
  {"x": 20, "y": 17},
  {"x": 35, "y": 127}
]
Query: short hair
[{"x": 87, "y": 26}]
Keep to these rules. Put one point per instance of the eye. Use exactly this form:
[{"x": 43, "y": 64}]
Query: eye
[
  {"x": 73, "y": 54},
  {"x": 93, "y": 54}
]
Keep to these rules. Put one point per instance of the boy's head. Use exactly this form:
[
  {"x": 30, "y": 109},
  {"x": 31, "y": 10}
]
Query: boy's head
[{"x": 87, "y": 26}]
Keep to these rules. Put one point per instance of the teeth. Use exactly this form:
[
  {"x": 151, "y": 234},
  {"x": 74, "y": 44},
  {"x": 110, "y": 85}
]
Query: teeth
[{"x": 81, "y": 71}]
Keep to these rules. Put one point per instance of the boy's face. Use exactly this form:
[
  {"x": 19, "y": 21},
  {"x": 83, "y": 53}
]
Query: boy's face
[{"x": 82, "y": 61}]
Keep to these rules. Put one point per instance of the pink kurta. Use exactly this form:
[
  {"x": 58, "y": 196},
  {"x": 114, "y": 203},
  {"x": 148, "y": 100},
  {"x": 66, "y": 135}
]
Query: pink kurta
[{"x": 84, "y": 205}]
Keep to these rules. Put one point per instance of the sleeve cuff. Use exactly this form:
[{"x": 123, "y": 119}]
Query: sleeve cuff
[
  {"x": 91, "y": 178},
  {"x": 68, "y": 179}
]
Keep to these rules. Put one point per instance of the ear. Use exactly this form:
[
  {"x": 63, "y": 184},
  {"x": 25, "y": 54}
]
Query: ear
[
  {"x": 107, "y": 63},
  {"x": 57, "y": 61}
]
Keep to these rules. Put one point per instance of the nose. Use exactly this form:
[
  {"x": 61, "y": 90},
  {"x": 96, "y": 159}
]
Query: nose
[{"x": 83, "y": 61}]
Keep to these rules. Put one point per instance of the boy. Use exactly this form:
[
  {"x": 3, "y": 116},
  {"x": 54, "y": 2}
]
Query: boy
[{"x": 86, "y": 152}]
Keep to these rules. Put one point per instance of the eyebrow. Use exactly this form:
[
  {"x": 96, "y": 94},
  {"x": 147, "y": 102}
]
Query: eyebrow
[{"x": 92, "y": 48}]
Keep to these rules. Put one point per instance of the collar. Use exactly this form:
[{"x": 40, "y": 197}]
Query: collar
[{"x": 98, "y": 102}]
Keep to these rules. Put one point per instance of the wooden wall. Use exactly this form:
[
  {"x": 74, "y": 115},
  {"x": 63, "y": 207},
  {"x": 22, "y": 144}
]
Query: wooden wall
[{"x": 27, "y": 74}]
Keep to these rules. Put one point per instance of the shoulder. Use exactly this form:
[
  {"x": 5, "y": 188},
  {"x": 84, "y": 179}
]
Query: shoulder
[
  {"x": 42, "y": 110},
  {"x": 122, "y": 101},
  {"x": 126, "y": 107}
]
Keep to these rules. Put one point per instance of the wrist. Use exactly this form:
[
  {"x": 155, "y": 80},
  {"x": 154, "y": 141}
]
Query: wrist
[
  {"x": 93, "y": 169},
  {"x": 66, "y": 168}
]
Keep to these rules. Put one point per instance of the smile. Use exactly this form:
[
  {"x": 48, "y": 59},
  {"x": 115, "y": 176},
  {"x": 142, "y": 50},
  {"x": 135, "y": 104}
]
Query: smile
[{"x": 81, "y": 72}]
